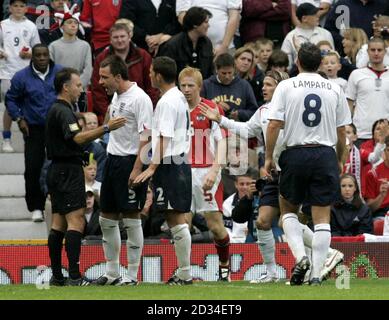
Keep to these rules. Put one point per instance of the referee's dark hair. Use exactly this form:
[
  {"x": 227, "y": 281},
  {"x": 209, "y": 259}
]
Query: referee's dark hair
[
  {"x": 194, "y": 17},
  {"x": 166, "y": 67},
  {"x": 62, "y": 77},
  {"x": 309, "y": 57},
  {"x": 116, "y": 65}
]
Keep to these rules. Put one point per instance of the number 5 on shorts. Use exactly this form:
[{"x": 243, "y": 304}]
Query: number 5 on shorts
[{"x": 208, "y": 196}]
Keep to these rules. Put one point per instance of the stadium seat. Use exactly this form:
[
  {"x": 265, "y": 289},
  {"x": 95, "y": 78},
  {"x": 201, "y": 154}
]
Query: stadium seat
[{"x": 379, "y": 227}]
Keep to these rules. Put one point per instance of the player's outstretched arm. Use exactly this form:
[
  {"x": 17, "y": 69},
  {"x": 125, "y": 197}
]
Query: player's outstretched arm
[
  {"x": 272, "y": 133},
  {"x": 211, "y": 113},
  {"x": 90, "y": 135}
]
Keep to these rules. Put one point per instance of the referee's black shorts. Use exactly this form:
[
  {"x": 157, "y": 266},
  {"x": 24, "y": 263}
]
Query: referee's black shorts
[
  {"x": 66, "y": 185},
  {"x": 309, "y": 174}
]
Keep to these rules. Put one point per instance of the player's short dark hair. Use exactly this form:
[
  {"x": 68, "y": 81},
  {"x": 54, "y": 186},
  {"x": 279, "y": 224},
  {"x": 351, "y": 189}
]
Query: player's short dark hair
[
  {"x": 194, "y": 17},
  {"x": 224, "y": 60},
  {"x": 309, "y": 57},
  {"x": 37, "y": 46},
  {"x": 116, "y": 65},
  {"x": 387, "y": 141},
  {"x": 166, "y": 67},
  {"x": 322, "y": 74},
  {"x": 278, "y": 59},
  {"x": 62, "y": 77}
]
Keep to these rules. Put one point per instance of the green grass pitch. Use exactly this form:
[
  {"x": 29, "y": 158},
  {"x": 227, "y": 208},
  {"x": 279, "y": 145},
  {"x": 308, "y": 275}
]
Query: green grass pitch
[{"x": 360, "y": 289}]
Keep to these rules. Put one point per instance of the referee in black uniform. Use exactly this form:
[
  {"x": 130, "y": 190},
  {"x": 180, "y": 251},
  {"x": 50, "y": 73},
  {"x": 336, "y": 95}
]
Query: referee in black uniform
[{"x": 65, "y": 177}]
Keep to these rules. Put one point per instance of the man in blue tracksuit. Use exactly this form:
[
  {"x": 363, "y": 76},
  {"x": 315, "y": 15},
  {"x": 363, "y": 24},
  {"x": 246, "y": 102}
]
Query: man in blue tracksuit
[{"x": 28, "y": 101}]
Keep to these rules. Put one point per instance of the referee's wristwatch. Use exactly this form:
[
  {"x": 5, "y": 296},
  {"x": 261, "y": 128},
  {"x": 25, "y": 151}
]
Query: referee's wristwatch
[{"x": 106, "y": 128}]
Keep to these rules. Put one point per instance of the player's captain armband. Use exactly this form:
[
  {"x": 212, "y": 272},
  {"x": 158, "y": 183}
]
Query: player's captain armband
[{"x": 73, "y": 127}]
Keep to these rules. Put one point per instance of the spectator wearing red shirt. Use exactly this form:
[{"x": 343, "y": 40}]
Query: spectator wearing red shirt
[
  {"x": 100, "y": 15},
  {"x": 137, "y": 59},
  {"x": 377, "y": 186},
  {"x": 265, "y": 19},
  {"x": 372, "y": 149}
]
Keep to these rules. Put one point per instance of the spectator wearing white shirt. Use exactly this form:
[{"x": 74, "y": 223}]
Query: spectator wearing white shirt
[
  {"x": 368, "y": 91},
  {"x": 307, "y": 31},
  {"x": 323, "y": 5},
  {"x": 330, "y": 65},
  {"x": 381, "y": 30},
  {"x": 236, "y": 231}
]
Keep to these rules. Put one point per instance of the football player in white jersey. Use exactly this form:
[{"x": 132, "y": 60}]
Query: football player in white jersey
[
  {"x": 313, "y": 113},
  {"x": 122, "y": 166},
  {"x": 172, "y": 177},
  {"x": 208, "y": 155},
  {"x": 269, "y": 204}
]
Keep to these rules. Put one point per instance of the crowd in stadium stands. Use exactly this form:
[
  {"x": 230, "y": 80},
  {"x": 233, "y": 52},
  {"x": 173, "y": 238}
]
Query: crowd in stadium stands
[{"x": 233, "y": 43}]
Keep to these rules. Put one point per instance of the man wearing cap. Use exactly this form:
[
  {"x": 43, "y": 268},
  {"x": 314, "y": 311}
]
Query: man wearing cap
[{"x": 307, "y": 31}]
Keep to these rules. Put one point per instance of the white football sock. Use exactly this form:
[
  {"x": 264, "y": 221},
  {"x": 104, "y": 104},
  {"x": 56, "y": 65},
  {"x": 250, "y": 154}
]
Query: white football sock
[
  {"x": 320, "y": 244},
  {"x": 294, "y": 235},
  {"x": 266, "y": 244},
  {"x": 182, "y": 246},
  {"x": 330, "y": 251},
  {"x": 111, "y": 245},
  {"x": 134, "y": 246},
  {"x": 307, "y": 235}
]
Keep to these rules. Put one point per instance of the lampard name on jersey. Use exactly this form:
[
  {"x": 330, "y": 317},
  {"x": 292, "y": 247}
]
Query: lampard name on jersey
[{"x": 312, "y": 84}]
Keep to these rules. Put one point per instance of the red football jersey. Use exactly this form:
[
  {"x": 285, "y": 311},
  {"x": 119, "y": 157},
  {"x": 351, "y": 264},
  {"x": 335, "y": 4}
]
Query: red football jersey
[{"x": 205, "y": 133}]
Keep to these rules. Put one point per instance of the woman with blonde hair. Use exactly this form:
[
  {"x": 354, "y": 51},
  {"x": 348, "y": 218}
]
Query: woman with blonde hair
[
  {"x": 246, "y": 68},
  {"x": 353, "y": 40}
]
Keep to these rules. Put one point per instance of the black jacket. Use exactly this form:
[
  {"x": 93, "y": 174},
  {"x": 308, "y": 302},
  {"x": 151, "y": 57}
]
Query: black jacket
[
  {"x": 92, "y": 228},
  {"x": 180, "y": 48},
  {"x": 257, "y": 84},
  {"x": 347, "y": 220},
  {"x": 147, "y": 21}
]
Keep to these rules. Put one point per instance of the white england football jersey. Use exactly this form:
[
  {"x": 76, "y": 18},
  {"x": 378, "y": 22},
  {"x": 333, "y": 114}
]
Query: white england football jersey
[
  {"x": 14, "y": 35},
  {"x": 254, "y": 126},
  {"x": 136, "y": 106},
  {"x": 172, "y": 120},
  {"x": 312, "y": 109}
]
